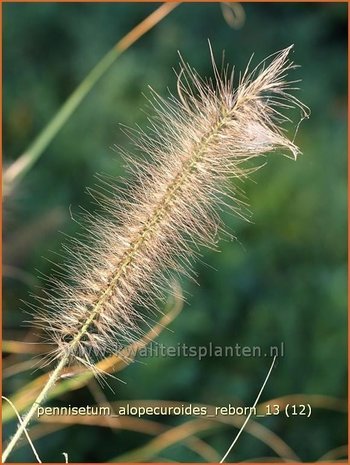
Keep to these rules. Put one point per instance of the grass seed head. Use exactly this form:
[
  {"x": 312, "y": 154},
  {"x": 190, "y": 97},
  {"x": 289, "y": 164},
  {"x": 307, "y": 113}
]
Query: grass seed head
[{"x": 198, "y": 142}]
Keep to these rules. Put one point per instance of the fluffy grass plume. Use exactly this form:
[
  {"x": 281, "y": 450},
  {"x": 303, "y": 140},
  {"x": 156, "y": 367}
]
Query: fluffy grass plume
[{"x": 198, "y": 141}]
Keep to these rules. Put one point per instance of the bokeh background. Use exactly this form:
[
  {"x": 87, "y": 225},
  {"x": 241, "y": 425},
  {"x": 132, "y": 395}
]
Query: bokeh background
[{"x": 283, "y": 280}]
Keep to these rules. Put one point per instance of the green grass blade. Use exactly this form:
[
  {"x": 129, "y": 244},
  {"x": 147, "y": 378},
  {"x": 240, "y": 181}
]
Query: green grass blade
[{"x": 24, "y": 163}]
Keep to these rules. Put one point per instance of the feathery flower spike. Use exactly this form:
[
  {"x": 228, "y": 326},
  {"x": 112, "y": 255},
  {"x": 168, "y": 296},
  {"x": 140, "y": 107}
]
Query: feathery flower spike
[{"x": 199, "y": 141}]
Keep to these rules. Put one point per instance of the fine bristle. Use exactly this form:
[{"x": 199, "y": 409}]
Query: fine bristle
[{"x": 199, "y": 141}]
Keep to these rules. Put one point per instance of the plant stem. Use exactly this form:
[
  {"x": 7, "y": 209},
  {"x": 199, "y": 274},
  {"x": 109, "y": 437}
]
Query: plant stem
[
  {"x": 165, "y": 320},
  {"x": 23, "y": 163},
  {"x": 37, "y": 403}
]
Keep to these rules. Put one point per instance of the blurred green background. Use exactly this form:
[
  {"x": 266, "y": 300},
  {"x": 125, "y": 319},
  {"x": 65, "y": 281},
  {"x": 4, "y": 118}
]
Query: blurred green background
[{"x": 283, "y": 280}]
